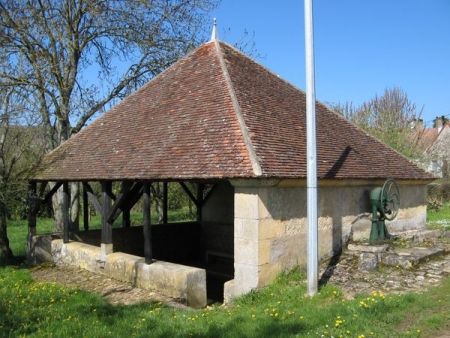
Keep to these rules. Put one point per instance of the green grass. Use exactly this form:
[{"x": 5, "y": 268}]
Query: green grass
[
  {"x": 30, "y": 309},
  {"x": 18, "y": 229},
  {"x": 439, "y": 219},
  {"x": 281, "y": 310}
]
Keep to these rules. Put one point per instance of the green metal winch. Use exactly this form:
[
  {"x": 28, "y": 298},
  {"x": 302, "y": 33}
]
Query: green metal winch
[{"x": 385, "y": 203}]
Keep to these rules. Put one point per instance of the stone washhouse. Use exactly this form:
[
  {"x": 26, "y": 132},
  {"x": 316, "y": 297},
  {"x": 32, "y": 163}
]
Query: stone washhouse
[{"x": 220, "y": 122}]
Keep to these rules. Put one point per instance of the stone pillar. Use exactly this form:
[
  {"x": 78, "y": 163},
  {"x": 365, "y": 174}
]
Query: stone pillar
[{"x": 253, "y": 231}]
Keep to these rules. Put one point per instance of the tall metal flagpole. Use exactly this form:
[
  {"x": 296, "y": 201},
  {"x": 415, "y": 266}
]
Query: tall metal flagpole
[{"x": 311, "y": 153}]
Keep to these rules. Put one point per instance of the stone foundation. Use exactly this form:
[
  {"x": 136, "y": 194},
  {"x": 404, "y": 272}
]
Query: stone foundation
[{"x": 186, "y": 284}]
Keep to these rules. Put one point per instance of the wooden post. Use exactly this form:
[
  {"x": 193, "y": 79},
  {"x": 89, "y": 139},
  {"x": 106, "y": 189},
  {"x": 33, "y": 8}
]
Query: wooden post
[
  {"x": 65, "y": 212},
  {"x": 85, "y": 207},
  {"x": 147, "y": 225},
  {"x": 200, "y": 190},
  {"x": 106, "y": 245},
  {"x": 106, "y": 205},
  {"x": 126, "y": 219},
  {"x": 32, "y": 190},
  {"x": 165, "y": 200}
]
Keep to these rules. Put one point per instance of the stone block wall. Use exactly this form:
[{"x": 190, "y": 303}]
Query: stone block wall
[
  {"x": 186, "y": 284},
  {"x": 271, "y": 223}
]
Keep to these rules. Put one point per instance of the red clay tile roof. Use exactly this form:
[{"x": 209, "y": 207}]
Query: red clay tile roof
[
  {"x": 425, "y": 138},
  {"x": 217, "y": 114}
]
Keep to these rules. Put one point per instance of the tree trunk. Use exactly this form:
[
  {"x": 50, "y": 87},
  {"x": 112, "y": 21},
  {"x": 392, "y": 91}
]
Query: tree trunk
[{"x": 5, "y": 251}]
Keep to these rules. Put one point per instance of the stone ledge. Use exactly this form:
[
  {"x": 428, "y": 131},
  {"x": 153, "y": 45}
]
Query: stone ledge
[
  {"x": 407, "y": 258},
  {"x": 185, "y": 283}
]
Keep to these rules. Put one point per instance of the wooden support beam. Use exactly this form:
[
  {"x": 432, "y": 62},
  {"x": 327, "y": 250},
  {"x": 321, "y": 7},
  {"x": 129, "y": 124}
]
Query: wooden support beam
[
  {"x": 126, "y": 219},
  {"x": 200, "y": 190},
  {"x": 125, "y": 202},
  {"x": 119, "y": 202},
  {"x": 147, "y": 225},
  {"x": 85, "y": 207},
  {"x": 93, "y": 199},
  {"x": 134, "y": 195},
  {"x": 40, "y": 201},
  {"x": 65, "y": 212},
  {"x": 33, "y": 200},
  {"x": 165, "y": 202},
  {"x": 189, "y": 193},
  {"x": 208, "y": 195},
  {"x": 52, "y": 191},
  {"x": 42, "y": 188},
  {"x": 106, "y": 206}
]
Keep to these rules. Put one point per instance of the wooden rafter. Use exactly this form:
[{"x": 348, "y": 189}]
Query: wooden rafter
[{"x": 92, "y": 198}]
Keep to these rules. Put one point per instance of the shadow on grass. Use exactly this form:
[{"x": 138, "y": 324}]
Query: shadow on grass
[
  {"x": 16, "y": 262},
  {"x": 329, "y": 270}
]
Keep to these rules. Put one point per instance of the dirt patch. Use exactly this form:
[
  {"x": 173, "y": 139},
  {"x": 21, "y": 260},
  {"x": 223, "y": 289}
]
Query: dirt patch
[{"x": 116, "y": 292}]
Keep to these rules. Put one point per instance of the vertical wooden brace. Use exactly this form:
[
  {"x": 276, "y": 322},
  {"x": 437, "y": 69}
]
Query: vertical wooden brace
[
  {"x": 65, "y": 212},
  {"x": 200, "y": 190},
  {"x": 147, "y": 225},
  {"x": 106, "y": 205},
  {"x": 165, "y": 202},
  {"x": 85, "y": 207},
  {"x": 32, "y": 190}
]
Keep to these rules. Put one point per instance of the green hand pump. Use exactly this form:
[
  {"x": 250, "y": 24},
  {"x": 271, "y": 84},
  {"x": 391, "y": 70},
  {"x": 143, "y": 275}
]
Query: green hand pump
[{"x": 385, "y": 203}]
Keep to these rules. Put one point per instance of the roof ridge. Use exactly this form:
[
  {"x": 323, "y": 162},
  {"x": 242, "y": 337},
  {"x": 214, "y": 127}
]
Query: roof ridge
[{"x": 237, "y": 109}]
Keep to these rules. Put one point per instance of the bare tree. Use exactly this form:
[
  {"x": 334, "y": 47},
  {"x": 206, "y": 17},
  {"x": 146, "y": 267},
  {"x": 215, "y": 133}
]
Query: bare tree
[
  {"x": 74, "y": 58},
  {"x": 20, "y": 147},
  {"x": 389, "y": 118}
]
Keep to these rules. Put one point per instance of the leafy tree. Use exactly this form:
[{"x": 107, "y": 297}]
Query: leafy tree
[
  {"x": 389, "y": 118},
  {"x": 69, "y": 55}
]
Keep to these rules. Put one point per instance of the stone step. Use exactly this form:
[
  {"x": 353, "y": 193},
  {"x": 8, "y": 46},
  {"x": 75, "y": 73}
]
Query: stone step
[
  {"x": 371, "y": 255},
  {"x": 419, "y": 235},
  {"x": 409, "y": 257}
]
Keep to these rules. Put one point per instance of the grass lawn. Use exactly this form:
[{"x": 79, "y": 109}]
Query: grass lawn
[
  {"x": 30, "y": 309},
  {"x": 439, "y": 219}
]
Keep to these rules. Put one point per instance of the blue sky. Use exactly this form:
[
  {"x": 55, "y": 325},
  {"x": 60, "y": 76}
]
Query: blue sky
[{"x": 361, "y": 46}]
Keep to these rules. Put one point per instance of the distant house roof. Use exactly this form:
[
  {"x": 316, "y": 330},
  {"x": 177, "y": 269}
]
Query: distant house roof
[
  {"x": 218, "y": 114},
  {"x": 428, "y": 137}
]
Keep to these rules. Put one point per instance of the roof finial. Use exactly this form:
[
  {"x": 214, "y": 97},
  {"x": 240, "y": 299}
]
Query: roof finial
[{"x": 214, "y": 36}]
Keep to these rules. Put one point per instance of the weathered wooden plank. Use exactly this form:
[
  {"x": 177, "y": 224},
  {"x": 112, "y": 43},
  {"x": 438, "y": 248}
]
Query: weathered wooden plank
[
  {"x": 40, "y": 201},
  {"x": 106, "y": 206},
  {"x": 65, "y": 212},
  {"x": 85, "y": 207},
  {"x": 117, "y": 207},
  {"x": 126, "y": 219},
  {"x": 134, "y": 195},
  {"x": 92, "y": 198},
  {"x": 200, "y": 190},
  {"x": 33, "y": 200},
  {"x": 165, "y": 202},
  {"x": 147, "y": 225},
  {"x": 208, "y": 195},
  {"x": 189, "y": 193}
]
